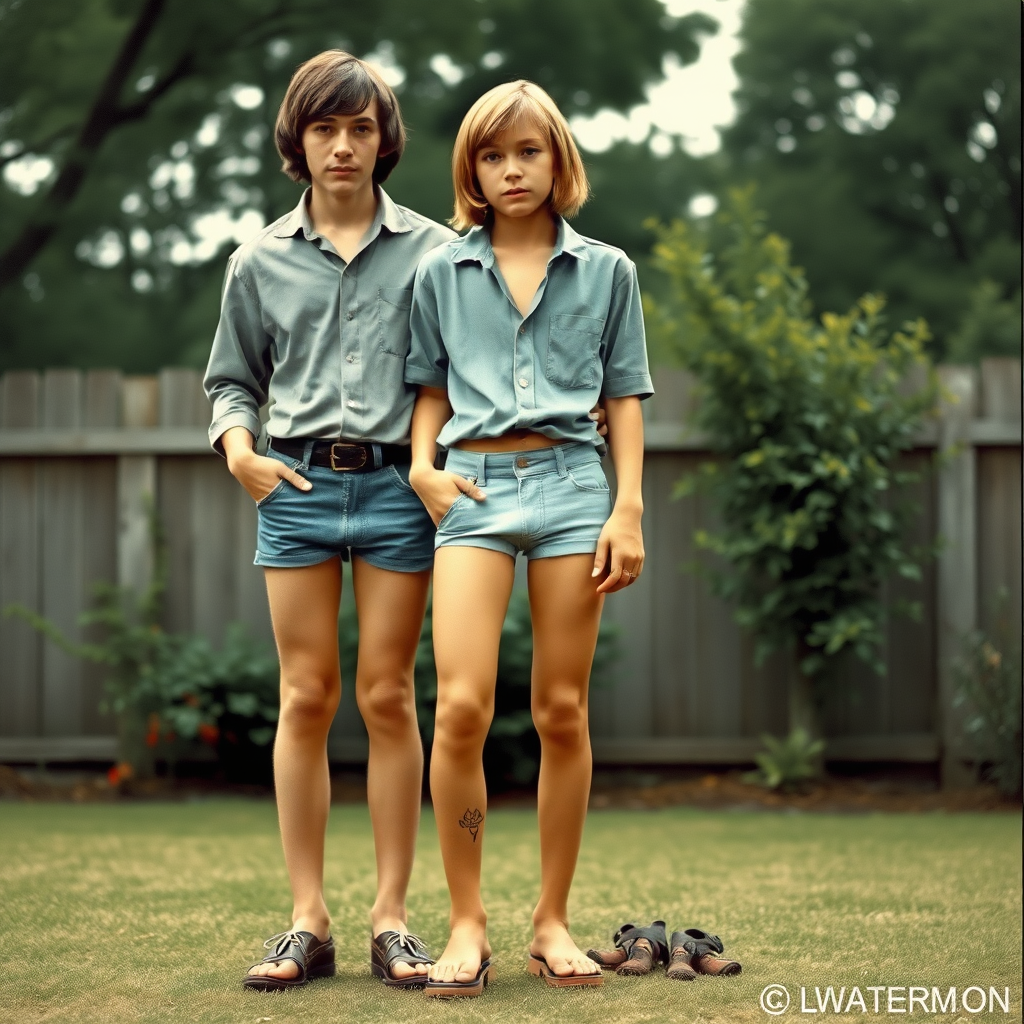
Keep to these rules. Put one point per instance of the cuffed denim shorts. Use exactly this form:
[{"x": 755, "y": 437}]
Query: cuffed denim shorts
[
  {"x": 376, "y": 516},
  {"x": 546, "y": 502}
]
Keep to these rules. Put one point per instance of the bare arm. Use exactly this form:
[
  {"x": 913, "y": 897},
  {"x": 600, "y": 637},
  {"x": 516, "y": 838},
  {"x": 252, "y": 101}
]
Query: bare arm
[
  {"x": 620, "y": 548},
  {"x": 437, "y": 489},
  {"x": 256, "y": 473}
]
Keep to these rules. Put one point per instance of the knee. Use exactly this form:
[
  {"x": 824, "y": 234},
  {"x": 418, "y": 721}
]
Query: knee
[
  {"x": 560, "y": 718},
  {"x": 309, "y": 700},
  {"x": 387, "y": 704},
  {"x": 462, "y": 722}
]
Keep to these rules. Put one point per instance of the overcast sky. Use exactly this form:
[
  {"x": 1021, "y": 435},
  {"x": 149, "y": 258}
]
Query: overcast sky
[{"x": 691, "y": 102}]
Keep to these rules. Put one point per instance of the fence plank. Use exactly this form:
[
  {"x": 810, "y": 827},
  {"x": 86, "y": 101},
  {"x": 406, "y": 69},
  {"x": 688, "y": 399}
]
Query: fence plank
[
  {"x": 1001, "y": 390},
  {"x": 20, "y": 400},
  {"x": 102, "y": 399},
  {"x": 212, "y": 516},
  {"x": 62, "y": 398},
  {"x": 63, "y": 591},
  {"x": 140, "y": 402},
  {"x": 182, "y": 400},
  {"x": 999, "y": 537},
  {"x": 957, "y": 567},
  {"x": 20, "y": 710}
]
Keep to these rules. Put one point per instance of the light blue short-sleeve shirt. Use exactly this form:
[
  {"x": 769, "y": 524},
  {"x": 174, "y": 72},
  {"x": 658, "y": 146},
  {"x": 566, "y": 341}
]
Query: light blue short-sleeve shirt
[{"x": 582, "y": 337}]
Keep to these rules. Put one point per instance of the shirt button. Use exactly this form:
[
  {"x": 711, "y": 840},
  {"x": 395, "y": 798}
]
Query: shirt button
[
  {"x": 351, "y": 403},
  {"x": 350, "y": 316},
  {"x": 350, "y": 358},
  {"x": 522, "y": 330},
  {"x": 523, "y": 382}
]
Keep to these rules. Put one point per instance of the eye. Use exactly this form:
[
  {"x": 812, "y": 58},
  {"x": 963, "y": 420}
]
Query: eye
[
  {"x": 530, "y": 151},
  {"x": 490, "y": 158}
]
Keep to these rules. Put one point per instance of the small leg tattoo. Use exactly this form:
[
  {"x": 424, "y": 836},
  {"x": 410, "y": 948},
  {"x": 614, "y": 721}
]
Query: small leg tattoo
[{"x": 472, "y": 820}]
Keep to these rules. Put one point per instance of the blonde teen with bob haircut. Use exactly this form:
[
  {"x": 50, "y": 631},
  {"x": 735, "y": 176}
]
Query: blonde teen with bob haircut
[{"x": 518, "y": 328}]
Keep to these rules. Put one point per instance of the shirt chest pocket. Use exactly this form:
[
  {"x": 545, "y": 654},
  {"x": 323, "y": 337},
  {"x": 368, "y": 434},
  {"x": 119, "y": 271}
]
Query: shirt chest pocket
[
  {"x": 393, "y": 306},
  {"x": 574, "y": 350}
]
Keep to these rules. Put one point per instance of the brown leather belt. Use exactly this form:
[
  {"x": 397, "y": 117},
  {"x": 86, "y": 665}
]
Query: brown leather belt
[{"x": 343, "y": 456}]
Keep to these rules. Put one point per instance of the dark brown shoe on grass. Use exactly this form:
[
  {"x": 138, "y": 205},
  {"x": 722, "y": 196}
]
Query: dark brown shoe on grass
[
  {"x": 636, "y": 951},
  {"x": 696, "y": 952}
]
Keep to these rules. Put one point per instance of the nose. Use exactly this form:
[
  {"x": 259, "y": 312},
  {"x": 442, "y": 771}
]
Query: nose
[{"x": 342, "y": 144}]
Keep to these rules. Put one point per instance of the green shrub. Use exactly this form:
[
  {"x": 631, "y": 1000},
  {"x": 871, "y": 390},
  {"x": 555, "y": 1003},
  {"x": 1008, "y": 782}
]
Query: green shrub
[
  {"x": 168, "y": 690},
  {"x": 787, "y": 761},
  {"x": 808, "y": 417},
  {"x": 989, "y": 677}
]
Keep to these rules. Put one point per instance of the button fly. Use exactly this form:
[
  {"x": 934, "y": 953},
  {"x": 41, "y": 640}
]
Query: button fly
[{"x": 522, "y": 463}]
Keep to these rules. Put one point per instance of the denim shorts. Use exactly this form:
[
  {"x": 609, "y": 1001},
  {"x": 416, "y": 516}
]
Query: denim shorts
[
  {"x": 376, "y": 515},
  {"x": 546, "y": 502}
]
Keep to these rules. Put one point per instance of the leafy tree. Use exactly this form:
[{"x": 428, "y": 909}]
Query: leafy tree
[
  {"x": 884, "y": 136},
  {"x": 808, "y": 418},
  {"x": 136, "y": 137}
]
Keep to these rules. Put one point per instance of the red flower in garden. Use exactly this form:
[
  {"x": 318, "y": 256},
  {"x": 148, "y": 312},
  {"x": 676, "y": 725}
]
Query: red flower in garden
[{"x": 208, "y": 733}]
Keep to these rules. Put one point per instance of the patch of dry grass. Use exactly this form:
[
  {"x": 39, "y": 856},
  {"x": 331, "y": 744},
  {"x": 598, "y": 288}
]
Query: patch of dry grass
[{"x": 152, "y": 912}]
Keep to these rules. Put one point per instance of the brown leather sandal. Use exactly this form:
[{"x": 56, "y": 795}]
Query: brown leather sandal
[
  {"x": 391, "y": 947},
  {"x": 696, "y": 952},
  {"x": 636, "y": 951},
  {"x": 315, "y": 959}
]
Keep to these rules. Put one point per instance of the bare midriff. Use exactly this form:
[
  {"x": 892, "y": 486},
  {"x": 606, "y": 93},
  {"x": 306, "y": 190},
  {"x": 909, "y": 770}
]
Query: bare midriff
[{"x": 513, "y": 441}]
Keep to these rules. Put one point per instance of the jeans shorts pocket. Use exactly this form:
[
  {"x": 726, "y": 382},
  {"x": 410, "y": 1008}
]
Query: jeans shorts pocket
[
  {"x": 273, "y": 493},
  {"x": 574, "y": 344},
  {"x": 589, "y": 477},
  {"x": 399, "y": 480},
  {"x": 451, "y": 508},
  {"x": 393, "y": 307}
]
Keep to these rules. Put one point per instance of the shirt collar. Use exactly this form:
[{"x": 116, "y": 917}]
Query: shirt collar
[
  {"x": 388, "y": 215},
  {"x": 475, "y": 245}
]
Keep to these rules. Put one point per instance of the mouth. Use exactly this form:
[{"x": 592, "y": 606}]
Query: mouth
[
  {"x": 512, "y": 192},
  {"x": 341, "y": 170}
]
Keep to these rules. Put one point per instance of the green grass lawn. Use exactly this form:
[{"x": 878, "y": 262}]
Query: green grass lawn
[{"x": 152, "y": 912}]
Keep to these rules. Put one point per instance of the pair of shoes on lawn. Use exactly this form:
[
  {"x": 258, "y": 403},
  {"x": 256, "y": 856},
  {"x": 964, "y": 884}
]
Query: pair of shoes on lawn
[
  {"x": 315, "y": 959},
  {"x": 690, "y": 952}
]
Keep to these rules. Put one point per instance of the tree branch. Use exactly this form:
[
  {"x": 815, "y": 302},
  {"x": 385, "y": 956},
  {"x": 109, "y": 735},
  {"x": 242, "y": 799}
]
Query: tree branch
[
  {"x": 101, "y": 120},
  {"x": 140, "y": 108}
]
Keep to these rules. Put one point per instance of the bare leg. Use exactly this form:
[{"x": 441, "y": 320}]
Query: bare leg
[
  {"x": 566, "y": 613},
  {"x": 390, "y": 606},
  {"x": 471, "y": 591},
  {"x": 304, "y": 609}
]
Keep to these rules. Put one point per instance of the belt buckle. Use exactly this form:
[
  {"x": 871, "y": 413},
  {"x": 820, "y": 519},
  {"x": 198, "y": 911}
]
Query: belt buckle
[{"x": 340, "y": 463}]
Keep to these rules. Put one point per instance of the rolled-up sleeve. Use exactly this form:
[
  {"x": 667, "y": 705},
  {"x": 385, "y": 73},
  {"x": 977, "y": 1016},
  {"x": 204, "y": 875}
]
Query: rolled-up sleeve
[
  {"x": 625, "y": 345},
  {"x": 239, "y": 369},
  {"x": 427, "y": 362}
]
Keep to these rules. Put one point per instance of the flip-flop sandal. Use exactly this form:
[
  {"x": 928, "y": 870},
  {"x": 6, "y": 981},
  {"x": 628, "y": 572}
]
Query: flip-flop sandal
[
  {"x": 315, "y": 959},
  {"x": 454, "y": 989},
  {"x": 631, "y": 956},
  {"x": 538, "y": 967},
  {"x": 390, "y": 948},
  {"x": 696, "y": 951}
]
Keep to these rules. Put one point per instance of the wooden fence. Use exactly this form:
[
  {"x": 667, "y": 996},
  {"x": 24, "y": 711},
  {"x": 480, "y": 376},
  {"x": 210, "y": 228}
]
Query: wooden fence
[{"x": 84, "y": 457}]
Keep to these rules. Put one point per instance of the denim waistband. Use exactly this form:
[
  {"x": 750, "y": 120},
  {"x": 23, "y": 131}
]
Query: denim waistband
[{"x": 533, "y": 462}]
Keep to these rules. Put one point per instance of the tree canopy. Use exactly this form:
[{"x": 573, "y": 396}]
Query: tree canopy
[
  {"x": 884, "y": 136},
  {"x": 136, "y": 148},
  {"x": 136, "y": 136}
]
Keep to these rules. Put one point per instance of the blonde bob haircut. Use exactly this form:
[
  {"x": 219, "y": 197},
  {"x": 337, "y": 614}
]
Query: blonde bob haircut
[{"x": 495, "y": 112}]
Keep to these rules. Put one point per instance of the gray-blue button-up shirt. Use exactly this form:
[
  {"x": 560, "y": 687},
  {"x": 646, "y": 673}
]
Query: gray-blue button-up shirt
[
  {"x": 582, "y": 337},
  {"x": 321, "y": 341}
]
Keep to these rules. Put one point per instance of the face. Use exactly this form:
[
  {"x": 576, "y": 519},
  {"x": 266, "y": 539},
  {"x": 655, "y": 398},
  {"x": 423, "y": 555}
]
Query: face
[
  {"x": 342, "y": 149},
  {"x": 516, "y": 170}
]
